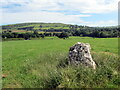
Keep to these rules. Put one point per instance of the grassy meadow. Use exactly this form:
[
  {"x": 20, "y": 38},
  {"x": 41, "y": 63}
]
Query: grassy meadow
[{"x": 42, "y": 63}]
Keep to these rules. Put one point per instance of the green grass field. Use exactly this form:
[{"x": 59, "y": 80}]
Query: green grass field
[{"x": 34, "y": 64}]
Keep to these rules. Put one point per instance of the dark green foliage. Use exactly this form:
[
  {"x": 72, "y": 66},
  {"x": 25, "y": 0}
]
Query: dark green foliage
[
  {"x": 48, "y": 34},
  {"x": 27, "y": 36},
  {"x": 36, "y": 34},
  {"x": 42, "y": 35},
  {"x": 7, "y": 34},
  {"x": 26, "y": 28},
  {"x": 63, "y": 35}
]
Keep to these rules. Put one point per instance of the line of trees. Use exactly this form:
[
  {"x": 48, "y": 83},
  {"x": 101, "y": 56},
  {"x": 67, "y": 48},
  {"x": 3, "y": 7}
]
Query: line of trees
[
  {"x": 29, "y": 35},
  {"x": 26, "y": 36},
  {"x": 97, "y": 34}
]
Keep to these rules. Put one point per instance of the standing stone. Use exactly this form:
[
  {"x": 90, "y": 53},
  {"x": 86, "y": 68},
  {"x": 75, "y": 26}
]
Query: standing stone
[{"x": 80, "y": 53}]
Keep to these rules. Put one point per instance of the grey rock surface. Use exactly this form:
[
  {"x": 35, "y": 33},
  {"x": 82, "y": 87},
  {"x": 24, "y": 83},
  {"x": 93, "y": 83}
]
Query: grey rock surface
[{"x": 80, "y": 53}]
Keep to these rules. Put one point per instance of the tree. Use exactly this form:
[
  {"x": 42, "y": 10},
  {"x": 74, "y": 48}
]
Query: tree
[
  {"x": 36, "y": 34},
  {"x": 15, "y": 34},
  {"x": 40, "y": 26},
  {"x": 95, "y": 34},
  {"x": 102, "y": 35},
  {"x": 63, "y": 35},
  {"x": 27, "y": 36},
  {"x": 42, "y": 35},
  {"x": 77, "y": 33}
]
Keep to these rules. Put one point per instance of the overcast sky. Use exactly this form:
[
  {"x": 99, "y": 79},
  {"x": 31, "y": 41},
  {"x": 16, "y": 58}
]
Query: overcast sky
[{"x": 80, "y": 12}]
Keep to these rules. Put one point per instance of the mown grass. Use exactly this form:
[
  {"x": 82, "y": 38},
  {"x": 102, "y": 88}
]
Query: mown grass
[{"x": 42, "y": 64}]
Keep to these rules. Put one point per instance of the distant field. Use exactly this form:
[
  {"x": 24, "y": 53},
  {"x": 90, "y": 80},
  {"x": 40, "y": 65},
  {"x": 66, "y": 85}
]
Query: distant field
[
  {"x": 32, "y": 63},
  {"x": 24, "y": 31},
  {"x": 20, "y": 31},
  {"x": 36, "y": 26},
  {"x": 52, "y": 27}
]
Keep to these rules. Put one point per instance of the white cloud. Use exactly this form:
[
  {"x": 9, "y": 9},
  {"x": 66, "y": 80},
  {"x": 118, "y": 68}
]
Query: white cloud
[
  {"x": 48, "y": 11},
  {"x": 41, "y": 17},
  {"x": 91, "y": 6},
  {"x": 84, "y": 6},
  {"x": 102, "y": 23},
  {"x": 52, "y": 18}
]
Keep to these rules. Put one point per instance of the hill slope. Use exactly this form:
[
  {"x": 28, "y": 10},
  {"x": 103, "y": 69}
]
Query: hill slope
[
  {"x": 73, "y": 30},
  {"x": 35, "y": 26}
]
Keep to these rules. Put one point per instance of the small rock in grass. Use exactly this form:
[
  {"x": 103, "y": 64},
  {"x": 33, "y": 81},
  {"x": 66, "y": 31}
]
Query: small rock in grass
[{"x": 4, "y": 75}]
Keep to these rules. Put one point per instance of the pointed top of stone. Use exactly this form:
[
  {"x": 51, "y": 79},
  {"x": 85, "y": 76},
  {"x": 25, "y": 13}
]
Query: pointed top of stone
[{"x": 78, "y": 42}]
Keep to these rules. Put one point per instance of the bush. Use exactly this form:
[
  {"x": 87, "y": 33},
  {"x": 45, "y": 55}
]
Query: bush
[{"x": 63, "y": 35}]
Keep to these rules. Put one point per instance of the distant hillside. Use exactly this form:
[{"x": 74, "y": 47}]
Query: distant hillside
[
  {"x": 35, "y": 26},
  {"x": 55, "y": 29},
  {"x": 73, "y": 30},
  {"x": 44, "y": 26}
]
